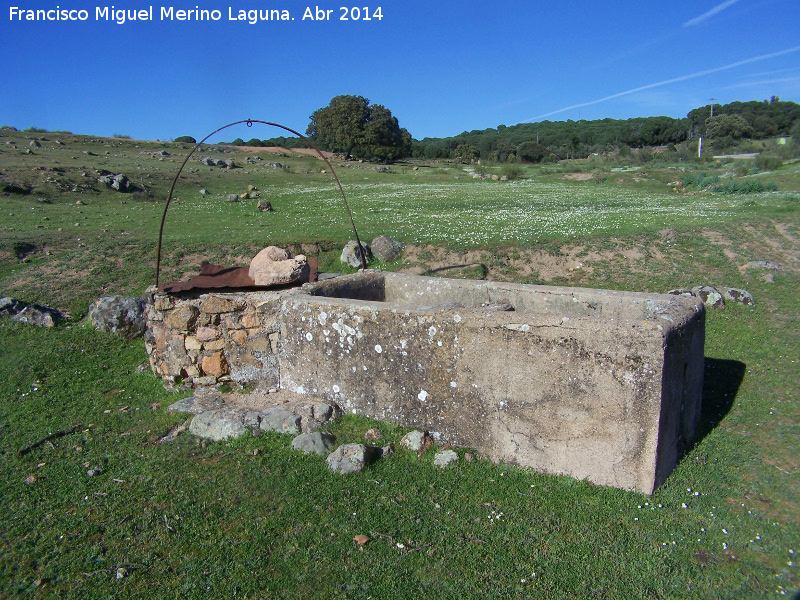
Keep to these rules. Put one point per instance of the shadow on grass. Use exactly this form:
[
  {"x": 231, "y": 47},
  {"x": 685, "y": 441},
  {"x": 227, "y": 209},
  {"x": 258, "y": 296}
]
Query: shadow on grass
[
  {"x": 721, "y": 382},
  {"x": 478, "y": 270}
]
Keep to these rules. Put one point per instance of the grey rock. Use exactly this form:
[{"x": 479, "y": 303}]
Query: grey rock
[
  {"x": 314, "y": 443},
  {"x": 232, "y": 197},
  {"x": 32, "y": 314},
  {"x": 204, "y": 192},
  {"x": 265, "y": 205},
  {"x": 680, "y": 292},
  {"x": 195, "y": 405},
  {"x": 121, "y": 183},
  {"x": 739, "y": 296},
  {"x": 280, "y": 420},
  {"x": 121, "y": 315},
  {"x": 386, "y": 249},
  {"x": 444, "y": 458},
  {"x": 765, "y": 264},
  {"x": 209, "y": 162},
  {"x": 322, "y": 412},
  {"x": 275, "y": 165},
  {"x": 504, "y": 178},
  {"x": 118, "y": 182},
  {"x": 252, "y": 419},
  {"x": 416, "y": 440},
  {"x": 35, "y": 144},
  {"x": 709, "y": 295},
  {"x": 352, "y": 458},
  {"x": 217, "y": 425},
  {"x": 352, "y": 256}
]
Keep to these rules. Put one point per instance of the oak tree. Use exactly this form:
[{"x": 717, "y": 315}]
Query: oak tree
[{"x": 351, "y": 126}]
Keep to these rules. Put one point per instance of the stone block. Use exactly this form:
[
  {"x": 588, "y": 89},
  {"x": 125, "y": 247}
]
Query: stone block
[
  {"x": 218, "y": 305},
  {"x": 182, "y": 318},
  {"x": 250, "y": 320},
  {"x": 215, "y": 345},
  {"x": 163, "y": 302},
  {"x": 207, "y": 334},
  {"x": 192, "y": 343},
  {"x": 215, "y": 364}
]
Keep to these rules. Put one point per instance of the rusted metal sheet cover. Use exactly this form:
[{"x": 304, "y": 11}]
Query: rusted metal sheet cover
[{"x": 217, "y": 277}]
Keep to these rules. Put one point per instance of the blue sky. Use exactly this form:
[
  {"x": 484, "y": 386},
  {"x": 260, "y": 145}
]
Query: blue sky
[{"x": 441, "y": 67}]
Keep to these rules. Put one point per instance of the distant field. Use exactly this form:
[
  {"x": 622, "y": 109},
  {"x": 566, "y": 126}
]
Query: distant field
[{"x": 252, "y": 518}]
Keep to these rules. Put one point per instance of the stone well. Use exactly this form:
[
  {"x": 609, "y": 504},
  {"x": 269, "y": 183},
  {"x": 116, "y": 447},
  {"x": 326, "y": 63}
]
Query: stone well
[{"x": 595, "y": 384}]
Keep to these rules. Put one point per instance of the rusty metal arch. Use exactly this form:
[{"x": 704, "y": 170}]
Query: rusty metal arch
[{"x": 249, "y": 123}]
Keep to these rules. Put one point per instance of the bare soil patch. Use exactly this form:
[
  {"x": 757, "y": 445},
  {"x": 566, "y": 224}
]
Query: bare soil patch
[{"x": 282, "y": 150}]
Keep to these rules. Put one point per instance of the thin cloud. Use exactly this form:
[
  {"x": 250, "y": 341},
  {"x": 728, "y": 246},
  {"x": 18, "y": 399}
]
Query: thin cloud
[
  {"x": 669, "y": 81},
  {"x": 709, "y": 14}
]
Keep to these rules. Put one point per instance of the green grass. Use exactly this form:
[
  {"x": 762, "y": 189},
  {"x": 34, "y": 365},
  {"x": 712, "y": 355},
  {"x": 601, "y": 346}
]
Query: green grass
[{"x": 253, "y": 518}]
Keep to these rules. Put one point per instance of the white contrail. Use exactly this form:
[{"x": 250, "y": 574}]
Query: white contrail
[
  {"x": 711, "y": 13},
  {"x": 668, "y": 81}
]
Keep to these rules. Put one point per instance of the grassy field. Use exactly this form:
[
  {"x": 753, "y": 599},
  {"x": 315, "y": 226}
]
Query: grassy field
[{"x": 254, "y": 519}]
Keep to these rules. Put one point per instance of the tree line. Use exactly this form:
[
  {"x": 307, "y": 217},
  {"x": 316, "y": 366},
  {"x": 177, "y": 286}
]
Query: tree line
[
  {"x": 556, "y": 140},
  {"x": 353, "y": 127}
]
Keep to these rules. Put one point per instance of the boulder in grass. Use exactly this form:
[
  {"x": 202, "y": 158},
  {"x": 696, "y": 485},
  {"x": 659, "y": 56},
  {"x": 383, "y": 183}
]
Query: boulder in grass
[
  {"x": 709, "y": 295},
  {"x": 386, "y": 249},
  {"x": 121, "y": 315},
  {"x": 739, "y": 296},
  {"x": 352, "y": 256},
  {"x": 352, "y": 458},
  {"x": 318, "y": 442},
  {"x": 32, "y": 314}
]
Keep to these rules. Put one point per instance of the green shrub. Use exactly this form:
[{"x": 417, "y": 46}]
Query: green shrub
[
  {"x": 700, "y": 181},
  {"x": 752, "y": 186},
  {"x": 185, "y": 139},
  {"x": 766, "y": 162},
  {"x": 512, "y": 171},
  {"x": 121, "y": 136}
]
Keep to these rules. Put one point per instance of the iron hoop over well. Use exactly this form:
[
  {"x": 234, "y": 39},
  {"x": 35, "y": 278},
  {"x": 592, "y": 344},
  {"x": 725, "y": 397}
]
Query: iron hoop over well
[{"x": 249, "y": 123}]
